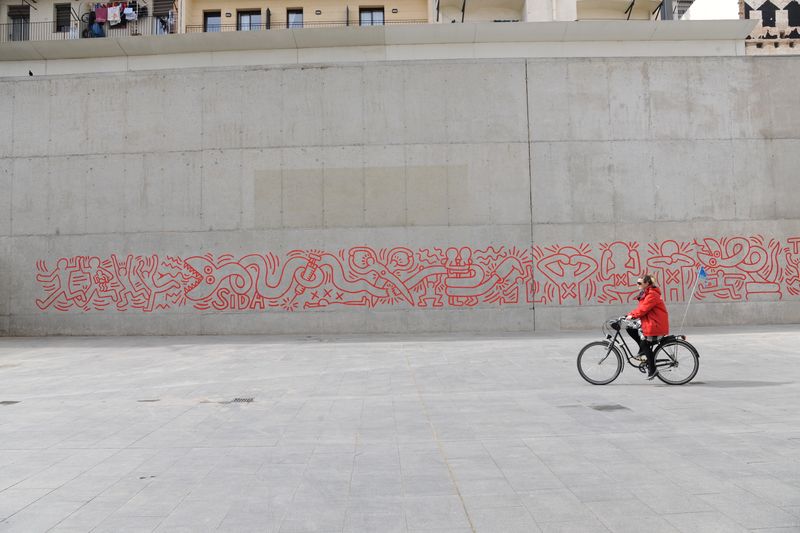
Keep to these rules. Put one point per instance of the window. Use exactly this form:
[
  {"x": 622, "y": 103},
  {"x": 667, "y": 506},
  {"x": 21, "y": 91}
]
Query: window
[
  {"x": 371, "y": 16},
  {"x": 793, "y": 9},
  {"x": 768, "y": 10},
  {"x": 20, "y": 16},
  {"x": 62, "y": 17},
  {"x": 294, "y": 18},
  {"x": 212, "y": 21},
  {"x": 248, "y": 20}
]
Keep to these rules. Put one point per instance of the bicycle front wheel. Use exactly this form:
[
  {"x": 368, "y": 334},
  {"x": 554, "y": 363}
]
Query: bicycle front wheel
[
  {"x": 677, "y": 362},
  {"x": 599, "y": 362}
]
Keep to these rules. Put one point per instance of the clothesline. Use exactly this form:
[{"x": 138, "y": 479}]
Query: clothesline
[{"x": 113, "y": 12}]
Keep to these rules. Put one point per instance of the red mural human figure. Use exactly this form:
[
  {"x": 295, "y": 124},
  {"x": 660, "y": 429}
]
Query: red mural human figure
[
  {"x": 541, "y": 290},
  {"x": 53, "y": 285},
  {"x": 792, "y": 273},
  {"x": 467, "y": 280},
  {"x": 531, "y": 285},
  {"x": 426, "y": 279},
  {"x": 127, "y": 293},
  {"x": 458, "y": 266},
  {"x": 506, "y": 268},
  {"x": 422, "y": 278},
  {"x": 155, "y": 284},
  {"x": 619, "y": 266},
  {"x": 103, "y": 287},
  {"x": 762, "y": 265},
  {"x": 751, "y": 265},
  {"x": 675, "y": 268},
  {"x": 571, "y": 271},
  {"x": 364, "y": 262},
  {"x": 80, "y": 283}
]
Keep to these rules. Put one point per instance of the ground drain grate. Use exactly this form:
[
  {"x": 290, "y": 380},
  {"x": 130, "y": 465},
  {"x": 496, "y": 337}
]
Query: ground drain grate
[
  {"x": 149, "y": 401},
  {"x": 242, "y": 400},
  {"x": 8, "y": 402},
  {"x": 609, "y": 407}
]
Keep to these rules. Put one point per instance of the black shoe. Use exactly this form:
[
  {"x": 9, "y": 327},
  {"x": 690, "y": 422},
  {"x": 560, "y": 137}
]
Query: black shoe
[{"x": 651, "y": 376}]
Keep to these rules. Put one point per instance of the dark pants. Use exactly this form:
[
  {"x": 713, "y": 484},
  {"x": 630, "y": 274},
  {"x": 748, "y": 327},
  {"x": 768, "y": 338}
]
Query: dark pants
[
  {"x": 645, "y": 347},
  {"x": 634, "y": 333}
]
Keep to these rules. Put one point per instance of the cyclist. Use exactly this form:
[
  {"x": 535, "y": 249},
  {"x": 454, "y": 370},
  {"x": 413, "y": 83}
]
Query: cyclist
[
  {"x": 634, "y": 332},
  {"x": 655, "y": 320}
]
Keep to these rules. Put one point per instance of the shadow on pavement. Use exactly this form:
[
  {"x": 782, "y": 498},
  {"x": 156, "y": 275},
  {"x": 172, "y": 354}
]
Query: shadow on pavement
[{"x": 733, "y": 384}]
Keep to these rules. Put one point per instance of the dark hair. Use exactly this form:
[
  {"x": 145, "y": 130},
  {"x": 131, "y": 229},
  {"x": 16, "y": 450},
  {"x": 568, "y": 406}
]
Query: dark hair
[{"x": 648, "y": 279}]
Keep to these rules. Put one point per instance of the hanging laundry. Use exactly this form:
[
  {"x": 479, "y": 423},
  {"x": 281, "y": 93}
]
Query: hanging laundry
[
  {"x": 101, "y": 14},
  {"x": 129, "y": 13},
  {"x": 114, "y": 15},
  {"x": 96, "y": 30}
]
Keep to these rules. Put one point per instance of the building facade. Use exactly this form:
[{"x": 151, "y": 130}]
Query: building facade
[{"x": 23, "y": 20}]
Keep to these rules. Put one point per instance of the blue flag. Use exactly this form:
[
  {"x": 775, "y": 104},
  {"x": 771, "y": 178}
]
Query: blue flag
[{"x": 701, "y": 275}]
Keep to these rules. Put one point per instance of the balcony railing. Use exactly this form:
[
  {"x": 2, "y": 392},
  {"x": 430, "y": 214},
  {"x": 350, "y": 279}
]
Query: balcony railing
[
  {"x": 22, "y": 30},
  {"x": 282, "y": 24},
  {"x": 48, "y": 31}
]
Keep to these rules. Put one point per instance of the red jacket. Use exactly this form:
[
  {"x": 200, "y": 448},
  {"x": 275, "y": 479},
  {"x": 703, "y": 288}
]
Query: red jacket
[{"x": 653, "y": 313}]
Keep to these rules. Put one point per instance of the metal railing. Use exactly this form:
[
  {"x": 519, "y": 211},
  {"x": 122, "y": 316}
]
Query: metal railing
[
  {"x": 48, "y": 31},
  {"x": 282, "y": 24},
  {"x": 22, "y": 30}
]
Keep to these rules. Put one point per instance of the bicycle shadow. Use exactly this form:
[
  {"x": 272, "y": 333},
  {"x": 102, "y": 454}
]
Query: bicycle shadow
[{"x": 737, "y": 383}]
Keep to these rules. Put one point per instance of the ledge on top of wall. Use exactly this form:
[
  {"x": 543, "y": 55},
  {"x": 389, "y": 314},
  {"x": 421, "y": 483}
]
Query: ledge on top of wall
[{"x": 424, "y": 41}]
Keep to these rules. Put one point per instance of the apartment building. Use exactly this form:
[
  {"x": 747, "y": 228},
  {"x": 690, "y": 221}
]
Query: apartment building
[
  {"x": 45, "y": 20},
  {"x": 22, "y": 20}
]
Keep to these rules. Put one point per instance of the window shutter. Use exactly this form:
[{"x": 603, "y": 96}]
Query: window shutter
[
  {"x": 62, "y": 16},
  {"x": 19, "y": 11}
]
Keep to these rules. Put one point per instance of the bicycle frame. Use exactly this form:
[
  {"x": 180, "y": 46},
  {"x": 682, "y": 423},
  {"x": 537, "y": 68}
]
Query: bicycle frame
[{"x": 619, "y": 340}]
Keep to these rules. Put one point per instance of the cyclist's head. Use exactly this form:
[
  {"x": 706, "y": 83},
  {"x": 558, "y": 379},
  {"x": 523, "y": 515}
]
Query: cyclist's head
[{"x": 646, "y": 281}]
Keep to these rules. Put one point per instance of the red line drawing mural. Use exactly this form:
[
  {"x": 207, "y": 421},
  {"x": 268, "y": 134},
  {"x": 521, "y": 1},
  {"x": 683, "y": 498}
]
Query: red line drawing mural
[
  {"x": 569, "y": 273},
  {"x": 620, "y": 265},
  {"x": 792, "y": 257},
  {"x": 672, "y": 263},
  {"x": 740, "y": 268}
]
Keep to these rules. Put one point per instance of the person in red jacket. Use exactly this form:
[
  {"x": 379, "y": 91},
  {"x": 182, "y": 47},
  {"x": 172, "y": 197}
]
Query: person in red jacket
[
  {"x": 634, "y": 332},
  {"x": 655, "y": 320}
]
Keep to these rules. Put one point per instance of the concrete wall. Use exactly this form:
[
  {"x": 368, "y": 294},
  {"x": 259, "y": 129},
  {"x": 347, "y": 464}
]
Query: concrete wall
[{"x": 495, "y": 195}]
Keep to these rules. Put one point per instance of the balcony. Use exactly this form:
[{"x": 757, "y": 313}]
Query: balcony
[
  {"x": 48, "y": 31},
  {"x": 282, "y": 24}
]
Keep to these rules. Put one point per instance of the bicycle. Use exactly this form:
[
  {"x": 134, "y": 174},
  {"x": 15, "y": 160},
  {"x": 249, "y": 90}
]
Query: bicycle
[{"x": 600, "y": 362}]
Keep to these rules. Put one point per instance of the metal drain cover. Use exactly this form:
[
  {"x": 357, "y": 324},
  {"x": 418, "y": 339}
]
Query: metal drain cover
[
  {"x": 242, "y": 400},
  {"x": 609, "y": 407},
  {"x": 148, "y": 401}
]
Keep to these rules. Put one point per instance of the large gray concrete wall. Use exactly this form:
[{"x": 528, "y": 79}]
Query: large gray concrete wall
[{"x": 499, "y": 195}]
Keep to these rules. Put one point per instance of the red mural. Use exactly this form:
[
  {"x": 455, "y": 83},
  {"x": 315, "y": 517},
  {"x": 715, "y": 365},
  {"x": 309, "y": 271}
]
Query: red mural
[{"x": 739, "y": 268}]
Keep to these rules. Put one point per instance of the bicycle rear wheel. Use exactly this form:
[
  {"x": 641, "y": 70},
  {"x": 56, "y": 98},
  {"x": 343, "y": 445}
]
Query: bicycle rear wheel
[
  {"x": 677, "y": 362},
  {"x": 599, "y": 363}
]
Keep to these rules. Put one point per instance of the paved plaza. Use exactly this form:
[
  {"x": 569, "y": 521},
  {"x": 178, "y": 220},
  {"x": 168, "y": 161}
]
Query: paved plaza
[{"x": 392, "y": 434}]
